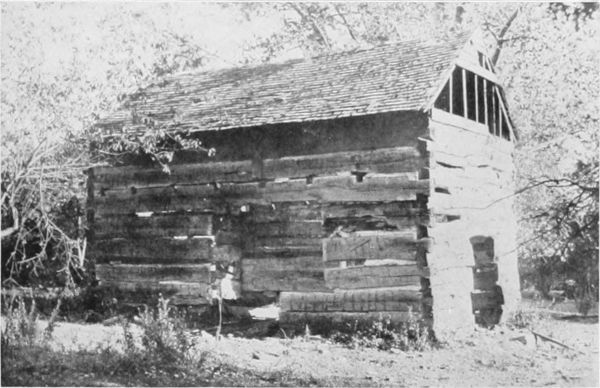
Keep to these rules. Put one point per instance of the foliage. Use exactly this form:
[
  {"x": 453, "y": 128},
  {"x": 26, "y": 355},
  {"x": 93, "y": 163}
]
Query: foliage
[
  {"x": 42, "y": 366},
  {"x": 381, "y": 334},
  {"x": 551, "y": 89},
  {"x": 49, "y": 103}
]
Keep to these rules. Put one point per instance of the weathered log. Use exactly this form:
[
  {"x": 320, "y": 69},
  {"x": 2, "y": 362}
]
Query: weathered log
[
  {"x": 284, "y": 212},
  {"x": 485, "y": 277},
  {"x": 323, "y": 322},
  {"x": 291, "y": 229},
  {"x": 159, "y": 250},
  {"x": 151, "y": 275},
  {"x": 392, "y": 187},
  {"x": 487, "y": 299},
  {"x": 374, "y": 209},
  {"x": 283, "y": 274},
  {"x": 281, "y": 246},
  {"x": 386, "y": 160},
  {"x": 372, "y": 246},
  {"x": 131, "y": 226},
  {"x": 373, "y": 277},
  {"x": 381, "y": 299}
]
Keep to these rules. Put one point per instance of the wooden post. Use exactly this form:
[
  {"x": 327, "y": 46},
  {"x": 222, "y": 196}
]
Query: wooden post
[{"x": 485, "y": 102}]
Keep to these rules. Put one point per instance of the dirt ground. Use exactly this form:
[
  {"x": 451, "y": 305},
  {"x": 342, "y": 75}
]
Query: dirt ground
[{"x": 500, "y": 357}]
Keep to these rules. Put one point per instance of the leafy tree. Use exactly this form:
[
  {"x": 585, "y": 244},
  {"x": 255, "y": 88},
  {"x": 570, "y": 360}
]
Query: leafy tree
[{"x": 49, "y": 103}]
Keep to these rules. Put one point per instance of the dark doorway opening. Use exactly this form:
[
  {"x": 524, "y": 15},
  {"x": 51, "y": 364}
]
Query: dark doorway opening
[{"x": 487, "y": 298}]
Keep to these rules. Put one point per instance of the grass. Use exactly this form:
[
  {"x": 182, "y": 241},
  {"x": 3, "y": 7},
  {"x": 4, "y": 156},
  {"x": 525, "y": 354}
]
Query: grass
[
  {"x": 41, "y": 366},
  {"x": 162, "y": 354}
]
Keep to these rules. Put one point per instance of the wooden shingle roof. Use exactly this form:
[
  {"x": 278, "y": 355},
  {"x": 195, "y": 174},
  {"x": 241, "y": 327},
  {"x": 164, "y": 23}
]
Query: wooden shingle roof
[{"x": 394, "y": 77}]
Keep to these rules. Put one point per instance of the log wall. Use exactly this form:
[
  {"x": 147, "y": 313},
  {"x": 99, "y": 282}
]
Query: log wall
[
  {"x": 471, "y": 199},
  {"x": 351, "y": 218},
  {"x": 287, "y": 218}
]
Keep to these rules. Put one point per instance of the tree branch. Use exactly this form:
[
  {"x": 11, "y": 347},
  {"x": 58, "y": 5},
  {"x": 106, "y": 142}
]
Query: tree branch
[
  {"x": 6, "y": 233},
  {"x": 316, "y": 28},
  {"x": 345, "y": 22},
  {"x": 500, "y": 37}
]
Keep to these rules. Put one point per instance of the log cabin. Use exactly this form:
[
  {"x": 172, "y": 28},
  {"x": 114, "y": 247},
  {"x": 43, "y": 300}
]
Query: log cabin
[{"x": 349, "y": 186}]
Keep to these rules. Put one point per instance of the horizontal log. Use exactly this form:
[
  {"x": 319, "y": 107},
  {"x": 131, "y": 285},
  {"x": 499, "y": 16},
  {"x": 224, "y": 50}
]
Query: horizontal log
[
  {"x": 487, "y": 299},
  {"x": 319, "y": 321},
  {"x": 284, "y": 212},
  {"x": 461, "y": 202},
  {"x": 288, "y": 229},
  {"x": 387, "y": 160},
  {"x": 470, "y": 141},
  {"x": 485, "y": 277},
  {"x": 374, "y": 277},
  {"x": 283, "y": 274},
  {"x": 178, "y": 293},
  {"x": 393, "y": 187},
  {"x": 140, "y": 176},
  {"x": 281, "y": 246},
  {"x": 373, "y": 223},
  {"x": 374, "y": 246},
  {"x": 151, "y": 275},
  {"x": 361, "y": 216},
  {"x": 381, "y": 299},
  {"x": 450, "y": 157},
  {"x": 375, "y": 209},
  {"x": 131, "y": 226},
  {"x": 470, "y": 179},
  {"x": 159, "y": 250}
]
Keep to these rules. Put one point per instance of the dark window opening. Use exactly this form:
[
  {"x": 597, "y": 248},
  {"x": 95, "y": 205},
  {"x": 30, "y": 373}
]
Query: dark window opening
[
  {"x": 471, "y": 96},
  {"x": 443, "y": 101},
  {"x": 497, "y": 117},
  {"x": 505, "y": 130},
  {"x": 481, "y": 58},
  {"x": 489, "y": 93},
  {"x": 480, "y": 101},
  {"x": 457, "y": 93}
]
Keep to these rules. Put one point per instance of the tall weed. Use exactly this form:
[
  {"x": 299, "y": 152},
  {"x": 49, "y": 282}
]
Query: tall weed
[
  {"x": 164, "y": 339},
  {"x": 164, "y": 332},
  {"x": 524, "y": 319},
  {"x": 22, "y": 326}
]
